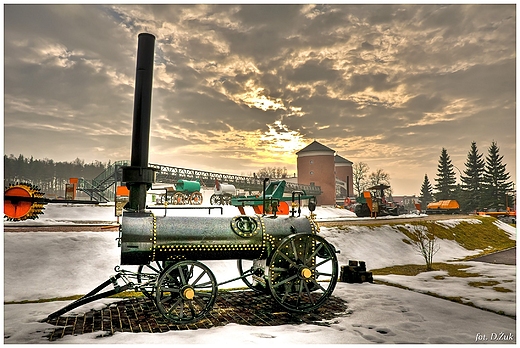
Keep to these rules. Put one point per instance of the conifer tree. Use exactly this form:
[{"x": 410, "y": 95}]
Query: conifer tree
[
  {"x": 496, "y": 180},
  {"x": 472, "y": 180},
  {"x": 426, "y": 193},
  {"x": 445, "y": 177}
]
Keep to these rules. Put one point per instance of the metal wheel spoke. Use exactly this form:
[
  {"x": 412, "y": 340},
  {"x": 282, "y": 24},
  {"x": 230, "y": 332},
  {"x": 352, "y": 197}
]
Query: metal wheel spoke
[
  {"x": 309, "y": 293},
  {"x": 314, "y": 253},
  {"x": 321, "y": 263},
  {"x": 292, "y": 262},
  {"x": 279, "y": 269},
  {"x": 318, "y": 285},
  {"x": 192, "y": 310},
  {"x": 295, "y": 252},
  {"x": 174, "y": 305},
  {"x": 323, "y": 274},
  {"x": 198, "y": 278},
  {"x": 165, "y": 289},
  {"x": 285, "y": 281},
  {"x": 204, "y": 285},
  {"x": 203, "y": 294}
]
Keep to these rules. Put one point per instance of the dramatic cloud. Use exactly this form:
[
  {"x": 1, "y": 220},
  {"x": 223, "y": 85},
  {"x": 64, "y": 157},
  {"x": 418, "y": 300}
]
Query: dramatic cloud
[{"x": 241, "y": 87}]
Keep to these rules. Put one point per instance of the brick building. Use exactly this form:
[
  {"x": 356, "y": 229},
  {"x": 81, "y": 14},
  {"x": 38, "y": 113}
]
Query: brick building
[{"x": 318, "y": 165}]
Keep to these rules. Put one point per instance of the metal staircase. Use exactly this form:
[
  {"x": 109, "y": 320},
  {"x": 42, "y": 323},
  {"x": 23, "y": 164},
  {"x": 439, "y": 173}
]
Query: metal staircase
[{"x": 103, "y": 187}]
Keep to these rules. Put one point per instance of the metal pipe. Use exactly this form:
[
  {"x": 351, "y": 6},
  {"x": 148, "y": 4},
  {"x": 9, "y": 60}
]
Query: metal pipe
[
  {"x": 142, "y": 100},
  {"x": 138, "y": 176}
]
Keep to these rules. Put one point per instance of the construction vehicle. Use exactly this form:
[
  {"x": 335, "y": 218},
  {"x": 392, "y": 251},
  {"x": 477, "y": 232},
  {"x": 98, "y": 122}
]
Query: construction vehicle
[
  {"x": 374, "y": 203},
  {"x": 447, "y": 206}
]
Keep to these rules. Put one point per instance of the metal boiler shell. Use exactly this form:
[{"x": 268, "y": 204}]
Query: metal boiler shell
[{"x": 146, "y": 238}]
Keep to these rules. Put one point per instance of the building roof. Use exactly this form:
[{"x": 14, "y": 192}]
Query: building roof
[
  {"x": 339, "y": 159},
  {"x": 315, "y": 146}
]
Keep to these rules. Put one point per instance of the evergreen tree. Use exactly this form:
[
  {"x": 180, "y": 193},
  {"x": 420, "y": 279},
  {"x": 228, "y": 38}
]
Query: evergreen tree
[
  {"x": 426, "y": 193},
  {"x": 496, "y": 180},
  {"x": 472, "y": 180},
  {"x": 445, "y": 177}
]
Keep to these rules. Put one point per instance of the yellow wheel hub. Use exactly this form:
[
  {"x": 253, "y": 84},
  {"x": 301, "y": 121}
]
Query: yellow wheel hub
[
  {"x": 306, "y": 273},
  {"x": 188, "y": 294}
]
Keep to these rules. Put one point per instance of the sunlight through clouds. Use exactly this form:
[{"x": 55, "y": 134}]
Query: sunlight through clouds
[{"x": 241, "y": 87}]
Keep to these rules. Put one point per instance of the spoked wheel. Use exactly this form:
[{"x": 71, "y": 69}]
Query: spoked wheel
[
  {"x": 179, "y": 198},
  {"x": 196, "y": 198},
  {"x": 147, "y": 277},
  {"x": 226, "y": 199},
  {"x": 214, "y": 199},
  {"x": 186, "y": 292},
  {"x": 303, "y": 272},
  {"x": 252, "y": 273}
]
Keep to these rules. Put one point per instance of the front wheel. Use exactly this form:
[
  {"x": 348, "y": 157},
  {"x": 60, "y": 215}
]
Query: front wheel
[
  {"x": 186, "y": 292},
  {"x": 303, "y": 272}
]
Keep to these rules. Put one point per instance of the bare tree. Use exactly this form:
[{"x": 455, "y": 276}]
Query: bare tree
[
  {"x": 272, "y": 172},
  {"x": 379, "y": 177},
  {"x": 359, "y": 173},
  {"x": 424, "y": 241}
]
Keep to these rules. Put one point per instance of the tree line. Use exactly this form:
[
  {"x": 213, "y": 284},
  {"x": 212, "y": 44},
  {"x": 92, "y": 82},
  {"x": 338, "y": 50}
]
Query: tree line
[
  {"x": 485, "y": 182},
  {"x": 48, "y": 175}
]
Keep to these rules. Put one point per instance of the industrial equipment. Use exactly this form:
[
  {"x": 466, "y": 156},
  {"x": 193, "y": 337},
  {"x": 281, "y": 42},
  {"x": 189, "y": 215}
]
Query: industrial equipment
[
  {"x": 222, "y": 193},
  {"x": 375, "y": 204},
  {"x": 450, "y": 206},
  {"x": 185, "y": 192},
  {"x": 280, "y": 255},
  {"x": 272, "y": 200},
  {"x": 24, "y": 201}
]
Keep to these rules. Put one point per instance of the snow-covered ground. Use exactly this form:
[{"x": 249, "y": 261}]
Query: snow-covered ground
[{"x": 42, "y": 265}]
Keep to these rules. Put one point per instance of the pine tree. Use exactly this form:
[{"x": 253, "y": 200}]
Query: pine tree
[
  {"x": 426, "y": 193},
  {"x": 472, "y": 180},
  {"x": 496, "y": 180},
  {"x": 445, "y": 177}
]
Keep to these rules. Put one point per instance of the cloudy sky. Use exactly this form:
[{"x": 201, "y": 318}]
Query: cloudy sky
[{"x": 241, "y": 87}]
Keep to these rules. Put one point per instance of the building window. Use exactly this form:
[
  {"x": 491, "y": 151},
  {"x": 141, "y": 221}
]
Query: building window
[
  {"x": 312, "y": 173},
  {"x": 311, "y": 161}
]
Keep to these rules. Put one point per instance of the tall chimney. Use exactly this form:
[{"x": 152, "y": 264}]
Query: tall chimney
[{"x": 138, "y": 176}]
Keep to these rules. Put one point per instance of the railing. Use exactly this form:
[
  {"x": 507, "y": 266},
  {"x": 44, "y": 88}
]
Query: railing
[
  {"x": 168, "y": 174},
  {"x": 102, "y": 187}
]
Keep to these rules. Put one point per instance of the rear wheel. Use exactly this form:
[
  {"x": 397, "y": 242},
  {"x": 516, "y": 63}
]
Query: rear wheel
[{"x": 303, "y": 272}]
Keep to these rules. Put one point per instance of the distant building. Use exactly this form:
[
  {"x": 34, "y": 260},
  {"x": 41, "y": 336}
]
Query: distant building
[
  {"x": 344, "y": 182},
  {"x": 318, "y": 165}
]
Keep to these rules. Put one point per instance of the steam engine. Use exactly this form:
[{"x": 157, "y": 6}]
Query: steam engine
[{"x": 146, "y": 238}]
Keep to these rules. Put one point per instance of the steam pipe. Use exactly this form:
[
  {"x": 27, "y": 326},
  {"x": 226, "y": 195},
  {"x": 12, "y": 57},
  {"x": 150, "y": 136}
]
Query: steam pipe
[{"x": 138, "y": 176}]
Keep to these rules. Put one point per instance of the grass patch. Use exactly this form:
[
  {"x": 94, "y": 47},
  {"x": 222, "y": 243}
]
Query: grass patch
[
  {"x": 124, "y": 294},
  {"x": 453, "y": 270},
  {"x": 501, "y": 289},
  {"x": 483, "y": 284},
  {"x": 484, "y": 235},
  {"x": 472, "y": 236}
]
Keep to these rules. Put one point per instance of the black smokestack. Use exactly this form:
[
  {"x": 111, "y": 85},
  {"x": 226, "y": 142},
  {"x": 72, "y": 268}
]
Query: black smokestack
[
  {"x": 142, "y": 100},
  {"x": 138, "y": 176}
]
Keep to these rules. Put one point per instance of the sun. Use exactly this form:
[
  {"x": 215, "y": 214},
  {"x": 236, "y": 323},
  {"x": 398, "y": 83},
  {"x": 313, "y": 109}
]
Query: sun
[{"x": 281, "y": 140}]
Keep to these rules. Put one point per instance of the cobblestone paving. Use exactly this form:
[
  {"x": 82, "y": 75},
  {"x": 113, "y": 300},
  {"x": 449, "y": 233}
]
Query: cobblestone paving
[{"x": 141, "y": 315}]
